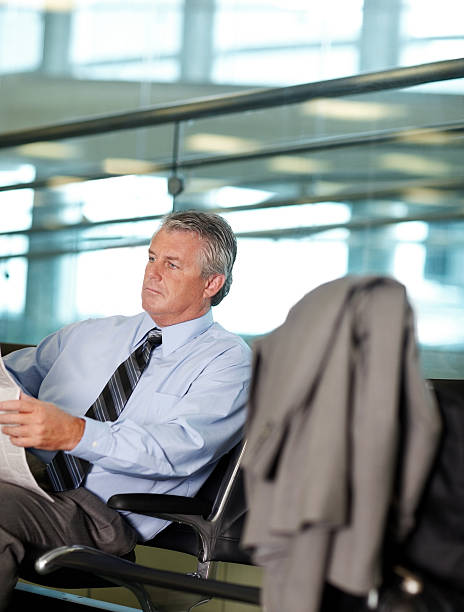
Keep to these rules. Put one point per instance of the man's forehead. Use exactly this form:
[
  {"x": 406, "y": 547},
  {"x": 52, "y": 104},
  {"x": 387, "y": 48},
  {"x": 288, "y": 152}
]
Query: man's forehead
[
  {"x": 176, "y": 236},
  {"x": 167, "y": 254},
  {"x": 175, "y": 244}
]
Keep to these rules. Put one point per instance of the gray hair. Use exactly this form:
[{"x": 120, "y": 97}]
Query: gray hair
[{"x": 219, "y": 243}]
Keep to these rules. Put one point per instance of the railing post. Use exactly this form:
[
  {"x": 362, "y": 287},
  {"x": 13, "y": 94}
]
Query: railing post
[{"x": 175, "y": 182}]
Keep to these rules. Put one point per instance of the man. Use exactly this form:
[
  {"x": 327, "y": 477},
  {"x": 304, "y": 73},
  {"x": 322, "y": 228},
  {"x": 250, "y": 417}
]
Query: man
[{"x": 184, "y": 412}]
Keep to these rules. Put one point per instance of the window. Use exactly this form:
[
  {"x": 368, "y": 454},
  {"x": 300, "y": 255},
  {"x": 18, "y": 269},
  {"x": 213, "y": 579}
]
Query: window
[
  {"x": 274, "y": 43},
  {"x": 118, "y": 40}
]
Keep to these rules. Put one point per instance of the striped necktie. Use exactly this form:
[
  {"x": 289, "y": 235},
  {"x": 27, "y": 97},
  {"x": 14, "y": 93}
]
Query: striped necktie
[{"x": 66, "y": 471}]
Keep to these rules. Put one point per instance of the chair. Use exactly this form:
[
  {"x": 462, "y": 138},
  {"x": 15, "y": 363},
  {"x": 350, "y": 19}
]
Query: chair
[
  {"x": 188, "y": 591},
  {"x": 402, "y": 567},
  {"x": 9, "y": 347},
  {"x": 208, "y": 530},
  {"x": 146, "y": 583},
  {"x": 207, "y": 526}
]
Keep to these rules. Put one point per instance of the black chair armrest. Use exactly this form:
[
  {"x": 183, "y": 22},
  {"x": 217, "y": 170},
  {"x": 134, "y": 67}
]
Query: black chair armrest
[
  {"x": 154, "y": 504},
  {"x": 126, "y": 573}
]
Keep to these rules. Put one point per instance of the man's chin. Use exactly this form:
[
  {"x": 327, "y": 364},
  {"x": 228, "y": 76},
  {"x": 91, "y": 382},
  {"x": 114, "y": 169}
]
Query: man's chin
[{"x": 150, "y": 304}]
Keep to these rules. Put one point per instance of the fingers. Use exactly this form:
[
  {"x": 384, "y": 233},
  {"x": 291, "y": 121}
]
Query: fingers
[
  {"x": 14, "y": 418},
  {"x": 31, "y": 422},
  {"x": 19, "y": 412},
  {"x": 17, "y": 436},
  {"x": 19, "y": 405},
  {"x": 15, "y": 412},
  {"x": 9, "y": 405},
  {"x": 13, "y": 431},
  {"x": 13, "y": 423},
  {"x": 17, "y": 433}
]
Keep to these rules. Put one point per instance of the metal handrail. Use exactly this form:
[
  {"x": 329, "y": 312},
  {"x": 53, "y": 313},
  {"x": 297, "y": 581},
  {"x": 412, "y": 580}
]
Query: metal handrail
[
  {"x": 239, "y": 102},
  {"x": 455, "y": 214},
  {"x": 396, "y": 135},
  {"x": 381, "y": 190}
]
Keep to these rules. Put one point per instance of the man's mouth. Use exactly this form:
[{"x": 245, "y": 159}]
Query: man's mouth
[{"x": 151, "y": 290}]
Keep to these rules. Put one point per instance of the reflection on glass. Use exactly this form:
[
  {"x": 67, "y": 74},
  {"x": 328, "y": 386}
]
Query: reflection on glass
[
  {"x": 16, "y": 205},
  {"x": 297, "y": 216},
  {"x": 120, "y": 198},
  {"x": 21, "y": 52},
  {"x": 285, "y": 66},
  {"x": 12, "y": 285},
  {"x": 61, "y": 255},
  {"x": 143, "y": 43},
  {"x": 270, "y": 276},
  {"x": 109, "y": 282},
  {"x": 432, "y": 19}
]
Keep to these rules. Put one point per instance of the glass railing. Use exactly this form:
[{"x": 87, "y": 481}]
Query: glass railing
[{"x": 354, "y": 175}]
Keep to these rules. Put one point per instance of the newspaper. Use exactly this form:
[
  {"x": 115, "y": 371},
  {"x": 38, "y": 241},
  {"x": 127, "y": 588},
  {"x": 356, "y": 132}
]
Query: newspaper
[{"x": 13, "y": 464}]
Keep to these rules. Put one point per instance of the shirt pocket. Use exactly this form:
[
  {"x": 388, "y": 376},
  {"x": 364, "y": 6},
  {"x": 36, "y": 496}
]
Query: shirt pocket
[{"x": 154, "y": 407}]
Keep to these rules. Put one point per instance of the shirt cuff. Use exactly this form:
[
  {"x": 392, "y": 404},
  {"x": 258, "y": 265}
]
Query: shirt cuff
[{"x": 95, "y": 440}]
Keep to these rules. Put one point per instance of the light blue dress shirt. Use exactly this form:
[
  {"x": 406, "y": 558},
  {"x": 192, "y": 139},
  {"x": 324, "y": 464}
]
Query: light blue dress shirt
[{"x": 187, "y": 409}]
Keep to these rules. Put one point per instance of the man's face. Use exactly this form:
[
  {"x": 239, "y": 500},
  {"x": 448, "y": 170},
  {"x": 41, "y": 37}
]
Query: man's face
[{"x": 173, "y": 289}]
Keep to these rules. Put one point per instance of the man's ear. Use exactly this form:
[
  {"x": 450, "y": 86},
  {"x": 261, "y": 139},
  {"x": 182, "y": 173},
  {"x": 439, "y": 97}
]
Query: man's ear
[{"x": 214, "y": 284}]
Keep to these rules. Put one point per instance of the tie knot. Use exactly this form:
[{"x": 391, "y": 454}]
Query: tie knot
[
  {"x": 154, "y": 337},
  {"x": 143, "y": 353}
]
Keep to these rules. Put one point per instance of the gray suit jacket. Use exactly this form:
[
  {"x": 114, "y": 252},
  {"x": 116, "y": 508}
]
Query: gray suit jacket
[{"x": 337, "y": 404}]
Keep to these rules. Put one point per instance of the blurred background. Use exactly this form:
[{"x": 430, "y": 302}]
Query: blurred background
[{"x": 316, "y": 187}]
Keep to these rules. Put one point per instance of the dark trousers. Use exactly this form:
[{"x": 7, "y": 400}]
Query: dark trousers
[{"x": 31, "y": 525}]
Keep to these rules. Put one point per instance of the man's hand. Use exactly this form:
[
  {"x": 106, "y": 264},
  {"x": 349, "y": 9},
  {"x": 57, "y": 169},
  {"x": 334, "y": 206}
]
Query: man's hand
[{"x": 32, "y": 423}]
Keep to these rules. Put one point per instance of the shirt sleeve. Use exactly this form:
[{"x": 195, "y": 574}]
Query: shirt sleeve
[
  {"x": 175, "y": 436},
  {"x": 29, "y": 366}
]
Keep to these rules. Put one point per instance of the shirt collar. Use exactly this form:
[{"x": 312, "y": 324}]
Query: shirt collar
[{"x": 175, "y": 336}]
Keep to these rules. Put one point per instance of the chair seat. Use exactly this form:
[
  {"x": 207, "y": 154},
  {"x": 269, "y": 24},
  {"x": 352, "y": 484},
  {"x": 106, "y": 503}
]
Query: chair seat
[{"x": 182, "y": 538}]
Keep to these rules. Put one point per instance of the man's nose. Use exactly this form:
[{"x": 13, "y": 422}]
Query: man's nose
[{"x": 154, "y": 270}]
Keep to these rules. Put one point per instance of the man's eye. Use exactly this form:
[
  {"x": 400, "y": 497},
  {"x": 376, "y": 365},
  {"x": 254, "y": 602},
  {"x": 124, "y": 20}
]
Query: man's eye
[
  {"x": 172, "y": 266},
  {"x": 151, "y": 259}
]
